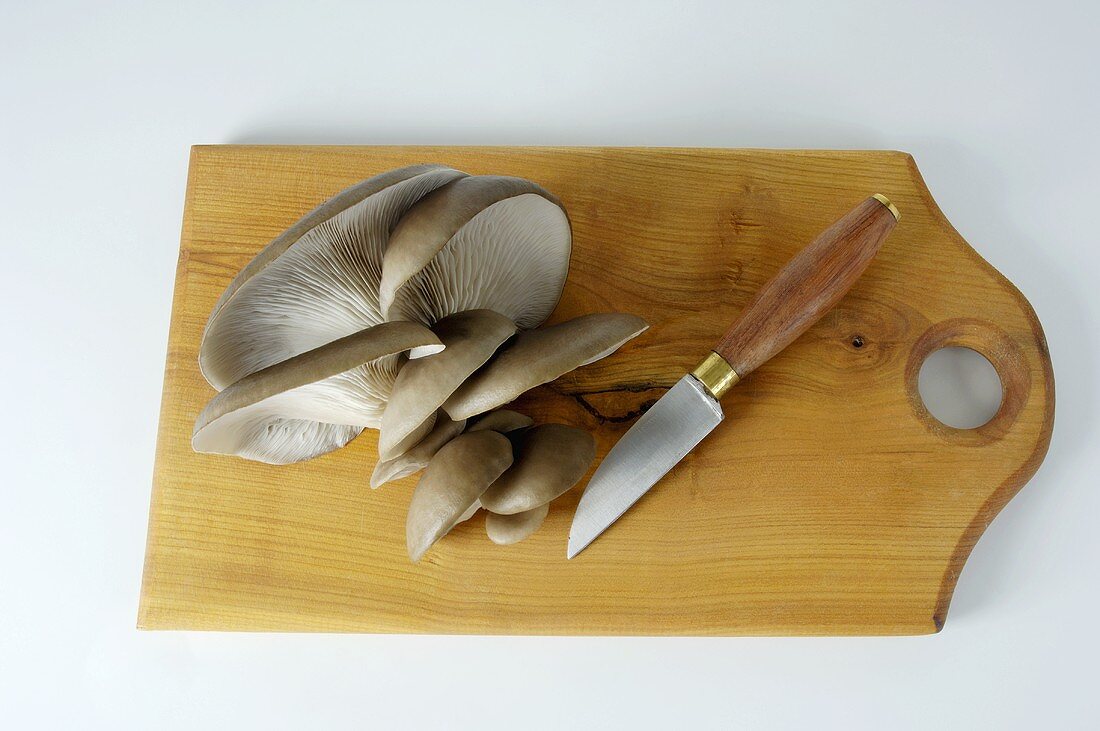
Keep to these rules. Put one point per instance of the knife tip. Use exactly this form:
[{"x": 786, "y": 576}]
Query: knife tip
[{"x": 575, "y": 546}]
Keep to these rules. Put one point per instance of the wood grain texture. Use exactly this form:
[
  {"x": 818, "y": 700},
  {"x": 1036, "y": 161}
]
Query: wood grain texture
[
  {"x": 828, "y": 502},
  {"x": 806, "y": 287}
]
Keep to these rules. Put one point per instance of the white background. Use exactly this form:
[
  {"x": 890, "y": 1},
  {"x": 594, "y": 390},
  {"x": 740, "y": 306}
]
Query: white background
[{"x": 99, "y": 103}]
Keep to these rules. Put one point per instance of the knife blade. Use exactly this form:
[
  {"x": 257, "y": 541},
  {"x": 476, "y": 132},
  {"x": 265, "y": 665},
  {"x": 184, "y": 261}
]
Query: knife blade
[{"x": 807, "y": 287}]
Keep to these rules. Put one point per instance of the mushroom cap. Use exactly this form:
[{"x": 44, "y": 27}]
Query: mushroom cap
[
  {"x": 540, "y": 356},
  {"x": 456, "y": 477},
  {"x": 423, "y": 385},
  {"x": 315, "y": 283},
  {"x": 550, "y": 459},
  {"x": 505, "y": 530},
  {"x": 501, "y": 420},
  {"x": 312, "y": 403},
  {"x": 417, "y": 458},
  {"x": 411, "y": 439},
  {"x": 470, "y": 512},
  {"x": 485, "y": 241}
]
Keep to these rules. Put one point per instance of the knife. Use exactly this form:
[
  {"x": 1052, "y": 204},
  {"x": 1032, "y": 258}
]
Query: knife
[{"x": 793, "y": 300}]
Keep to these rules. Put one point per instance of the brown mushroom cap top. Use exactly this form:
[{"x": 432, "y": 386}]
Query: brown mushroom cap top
[
  {"x": 423, "y": 385},
  {"x": 485, "y": 241},
  {"x": 539, "y": 356},
  {"x": 549, "y": 460},
  {"x": 417, "y": 458},
  {"x": 312, "y": 403},
  {"x": 504, "y": 530},
  {"x": 501, "y": 420},
  {"x": 316, "y": 283},
  {"x": 414, "y": 437},
  {"x": 455, "y": 478}
]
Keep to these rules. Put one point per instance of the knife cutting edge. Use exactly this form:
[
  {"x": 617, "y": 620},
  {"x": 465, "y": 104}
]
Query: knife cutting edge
[{"x": 807, "y": 287}]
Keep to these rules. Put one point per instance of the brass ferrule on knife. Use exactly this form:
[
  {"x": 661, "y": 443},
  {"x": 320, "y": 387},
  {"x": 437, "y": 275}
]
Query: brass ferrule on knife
[
  {"x": 889, "y": 206},
  {"x": 716, "y": 375}
]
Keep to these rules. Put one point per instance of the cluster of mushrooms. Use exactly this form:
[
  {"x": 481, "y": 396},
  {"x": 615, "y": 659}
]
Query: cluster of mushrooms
[{"x": 411, "y": 303}]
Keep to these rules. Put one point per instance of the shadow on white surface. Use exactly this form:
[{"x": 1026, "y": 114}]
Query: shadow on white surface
[
  {"x": 648, "y": 125},
  {"x": 978, "y": 200}
]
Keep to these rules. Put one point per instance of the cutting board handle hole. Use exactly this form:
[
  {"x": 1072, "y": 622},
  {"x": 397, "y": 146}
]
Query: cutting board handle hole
[
  {"x": 967, "y": 381},
  {"x": 960, "y": 387}
]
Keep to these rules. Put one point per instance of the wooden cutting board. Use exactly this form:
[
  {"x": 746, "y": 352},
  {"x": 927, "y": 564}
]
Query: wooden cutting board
[{"x": 829, "y": 501}]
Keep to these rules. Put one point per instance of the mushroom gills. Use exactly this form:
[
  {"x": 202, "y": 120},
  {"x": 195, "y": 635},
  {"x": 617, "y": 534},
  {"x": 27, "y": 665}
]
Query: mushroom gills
[
  {"x": 548, "y": 461},
  {"x": 481, "y": 242},
  {"x": 540, "y": 356},
  {"x": 343, "y": 200},
  {"x": 310, "y": 404},
  {"x": 322, "y": 287}
]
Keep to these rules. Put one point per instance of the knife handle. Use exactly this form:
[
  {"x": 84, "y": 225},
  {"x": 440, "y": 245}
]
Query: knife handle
[{"x": 805, "y": 289}]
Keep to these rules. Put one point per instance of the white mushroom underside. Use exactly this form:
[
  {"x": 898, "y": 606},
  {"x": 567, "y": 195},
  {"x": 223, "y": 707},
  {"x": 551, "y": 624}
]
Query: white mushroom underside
[
  {"x": 274, "y": 439},
  {"x": 356, "y": 397},
  {"x": 323, "y": 288},
  {"x": 512, "y": 257},
  {"x": 307, "y": 421}
]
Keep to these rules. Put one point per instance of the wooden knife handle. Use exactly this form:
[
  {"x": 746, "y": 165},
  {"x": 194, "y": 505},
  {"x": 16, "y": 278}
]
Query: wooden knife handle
[{"x": 808, "y": 286}]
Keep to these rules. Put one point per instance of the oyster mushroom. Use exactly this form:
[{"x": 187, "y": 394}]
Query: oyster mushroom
[
  {"x": 480, "y": 242},
  {"x": 456, "y": 477},
  {"x": 315, "y": 283},
  {"x": 312, "y": 403},
  {"x": 423, "y": 385},
  {"x": 470, "y": 512},
  {"x": 411, "y": 439},
  {"x": 417, "y": 458},
  {"x": 540, "y": 356},
  {"x": 505, "y": 530},
  {"x": 501, "y": 420},
  {"x": 549, "y": 460}
]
